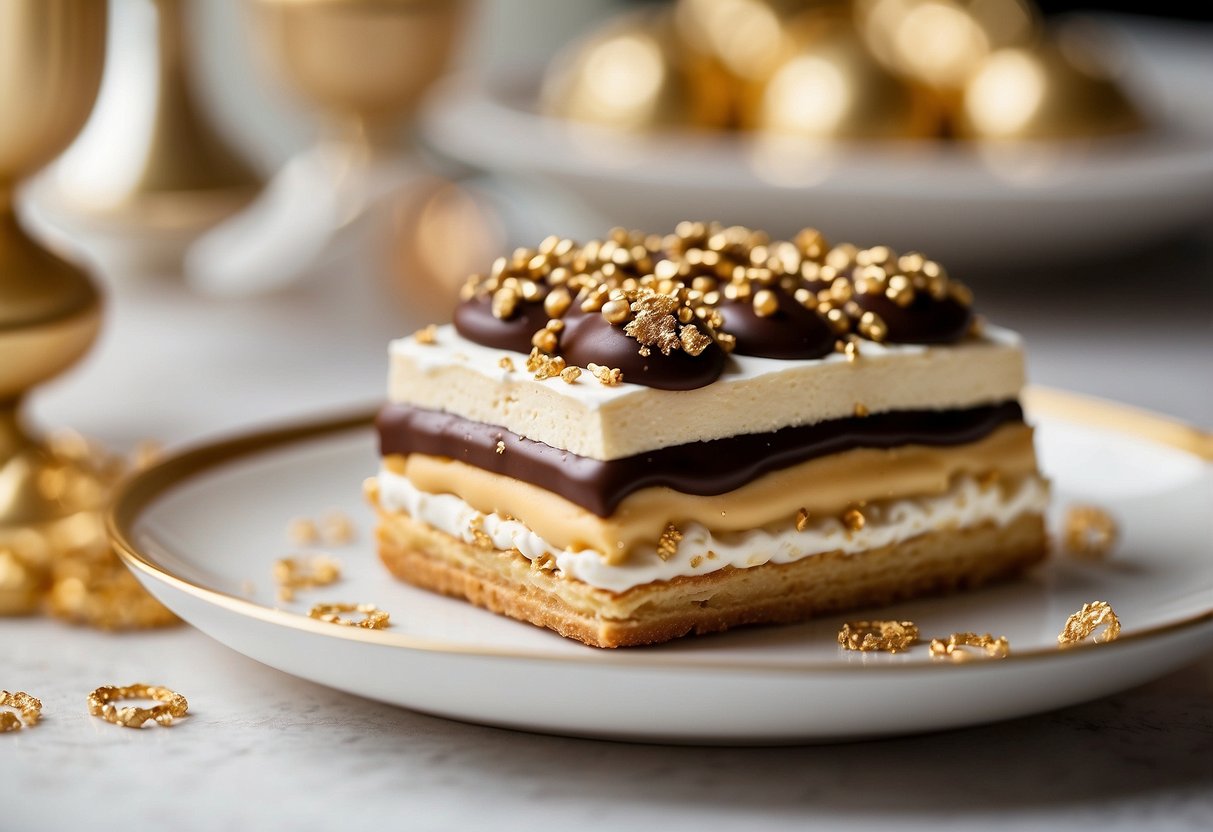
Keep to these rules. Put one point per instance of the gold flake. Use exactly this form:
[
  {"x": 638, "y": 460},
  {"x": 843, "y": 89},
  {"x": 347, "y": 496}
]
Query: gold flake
[
  {"x": 606, "y": 376},
  {"x": 506, "y": 363},
  {"x": 500, "y": 447},
  {"x": 655, "y": 324},
  {"x": 693, "y": 341},
  {"x": 302, "y": 530},
  {"x": 1083, "y": 624},
  {"x": 802, "y": 519},
  {"x": 569, "y": 375},
  {"x": 1089, "y": 532},
  {"x": 426, "y": 335},
  {"x": 696, "y": 561},
  {"x": 954, "y": 647},
  {"x": 885, "y": 636}
]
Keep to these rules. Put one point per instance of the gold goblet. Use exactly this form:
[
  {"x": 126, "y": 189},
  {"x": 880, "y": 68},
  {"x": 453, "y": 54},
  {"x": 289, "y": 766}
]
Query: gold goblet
[{"x": 51, "y": 56}]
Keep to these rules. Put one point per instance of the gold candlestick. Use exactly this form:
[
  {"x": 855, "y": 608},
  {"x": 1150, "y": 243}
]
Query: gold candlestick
[
  {"x": 51, "y": 56},
  {"x": 149, "y": 163}
]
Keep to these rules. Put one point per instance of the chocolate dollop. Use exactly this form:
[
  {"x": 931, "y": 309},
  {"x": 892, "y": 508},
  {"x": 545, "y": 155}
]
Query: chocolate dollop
[
  {"x": 588, "y": 338},
  {"x": 791, "y": 332},
  {"x": 475, "y": 321},
  {"x": 926, "y": 320}
]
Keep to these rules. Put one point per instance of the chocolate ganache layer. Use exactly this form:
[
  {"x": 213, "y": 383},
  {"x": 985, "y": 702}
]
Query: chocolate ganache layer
[{"x": 700, "y": 468}]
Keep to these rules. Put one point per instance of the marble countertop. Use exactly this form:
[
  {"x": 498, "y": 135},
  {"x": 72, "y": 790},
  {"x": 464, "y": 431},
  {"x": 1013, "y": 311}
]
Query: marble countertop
[{"x": 265, "y": 751}]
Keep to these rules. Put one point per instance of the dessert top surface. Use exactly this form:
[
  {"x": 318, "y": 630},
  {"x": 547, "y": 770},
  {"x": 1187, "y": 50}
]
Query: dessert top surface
[{"x": 668, "y": 311}]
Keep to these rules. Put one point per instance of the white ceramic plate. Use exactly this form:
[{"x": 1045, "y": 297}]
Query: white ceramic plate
[
  {"x": 962, "y": 203},
  {"x": 202, "y": 530}
]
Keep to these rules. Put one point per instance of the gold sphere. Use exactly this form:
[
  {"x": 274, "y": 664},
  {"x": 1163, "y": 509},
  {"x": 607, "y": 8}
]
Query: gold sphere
[
  {"x": 828, "y": 85},
  {"x": 631, "y": 74},
  {"x": 1054, "y": 90},
  {"x": 940, "y": 43}
]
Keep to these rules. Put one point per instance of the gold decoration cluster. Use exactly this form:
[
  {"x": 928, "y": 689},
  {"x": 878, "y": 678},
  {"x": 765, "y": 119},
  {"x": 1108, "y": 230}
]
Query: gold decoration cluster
[
  {"x": 70, "y": 570},
  {"x": 100, "y": 704},
  {"x": 666, "y": 291},
  {"x": 892, "y": 636}
]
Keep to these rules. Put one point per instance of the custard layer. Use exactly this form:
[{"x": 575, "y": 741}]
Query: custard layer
[{"x": 822, "y": 486}]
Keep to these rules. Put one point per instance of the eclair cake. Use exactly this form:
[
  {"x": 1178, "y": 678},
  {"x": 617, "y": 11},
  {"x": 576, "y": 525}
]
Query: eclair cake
[{"x": 643, "y": 437}]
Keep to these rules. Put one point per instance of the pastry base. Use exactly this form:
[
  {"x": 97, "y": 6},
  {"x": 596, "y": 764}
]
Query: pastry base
[{"x": 507, "y": 583}]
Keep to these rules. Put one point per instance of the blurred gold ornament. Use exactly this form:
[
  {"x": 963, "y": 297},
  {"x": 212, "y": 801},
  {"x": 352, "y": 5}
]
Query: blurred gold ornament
[
  {"x": 364, "y": 63},
  {"x": 828, "y": 85},
  {"x": 149, "y": 160},
  {"x": 632, "y": 74},
  {"x": 941, "y": 43},
  {"x": 1054, "y": 90},
  {"x": 727, "y": 44}
]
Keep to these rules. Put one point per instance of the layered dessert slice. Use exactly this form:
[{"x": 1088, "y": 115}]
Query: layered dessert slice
[{"x": 645, "y": 437}]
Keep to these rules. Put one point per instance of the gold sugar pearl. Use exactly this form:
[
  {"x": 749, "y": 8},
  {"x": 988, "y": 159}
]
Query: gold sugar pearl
[
  {"x": 30, "y": 708},
  {"x": 616, "y": 311},
  {"x": 766, "y": 303},
  {"x": 956, "y": 647},
  {"x": 883, "y": 636},
  {"x": 173, "y": 705},
  {"x": 1083, "y": 624},
  {"x": 1089, "y": 532},
  {"x": 545, "y": 340},
  {"x": 900, "y": 290},
  {"x": 505, "y": 301},
  {"x": 373, "y": 618},
  {"x": 853, "y": 519},
  {"x": 873, "y": 327},
  {"x": 557, "y": 302}
]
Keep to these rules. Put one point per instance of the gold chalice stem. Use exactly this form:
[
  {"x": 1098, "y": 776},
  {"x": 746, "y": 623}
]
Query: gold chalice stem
[{"x": 51, "y": 56}]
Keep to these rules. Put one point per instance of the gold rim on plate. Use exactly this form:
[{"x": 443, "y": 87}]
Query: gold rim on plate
[{"x": 149, "y": 485}]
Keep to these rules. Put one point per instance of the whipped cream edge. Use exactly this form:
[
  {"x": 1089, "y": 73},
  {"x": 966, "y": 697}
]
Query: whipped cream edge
[{"x": 964, "y": 505}]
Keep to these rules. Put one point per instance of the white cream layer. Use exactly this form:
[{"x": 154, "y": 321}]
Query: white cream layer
[
  {"x": 754, "y": 395},
  {"x": 965, "y": 505}
]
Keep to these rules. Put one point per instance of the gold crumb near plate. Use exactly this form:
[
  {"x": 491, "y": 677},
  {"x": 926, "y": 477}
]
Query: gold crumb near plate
[{"x": 907, "y": 69}]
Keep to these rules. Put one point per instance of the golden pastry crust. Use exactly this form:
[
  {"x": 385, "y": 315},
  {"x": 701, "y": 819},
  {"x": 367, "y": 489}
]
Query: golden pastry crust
[{"x": 507, "y": 583}]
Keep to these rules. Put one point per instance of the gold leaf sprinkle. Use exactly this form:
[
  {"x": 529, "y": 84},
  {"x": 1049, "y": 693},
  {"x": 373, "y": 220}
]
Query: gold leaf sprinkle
[
  {"x": 1089, "y": 532},
  {"x": 426, "y": 335},
  {"x": 569, "y": 375},
  {"x": 884, "y": 636},
  {"x": 1082, "y": 625},
  {"x": 667, "y": 544},
  {"x": 802, "y": 519}
]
